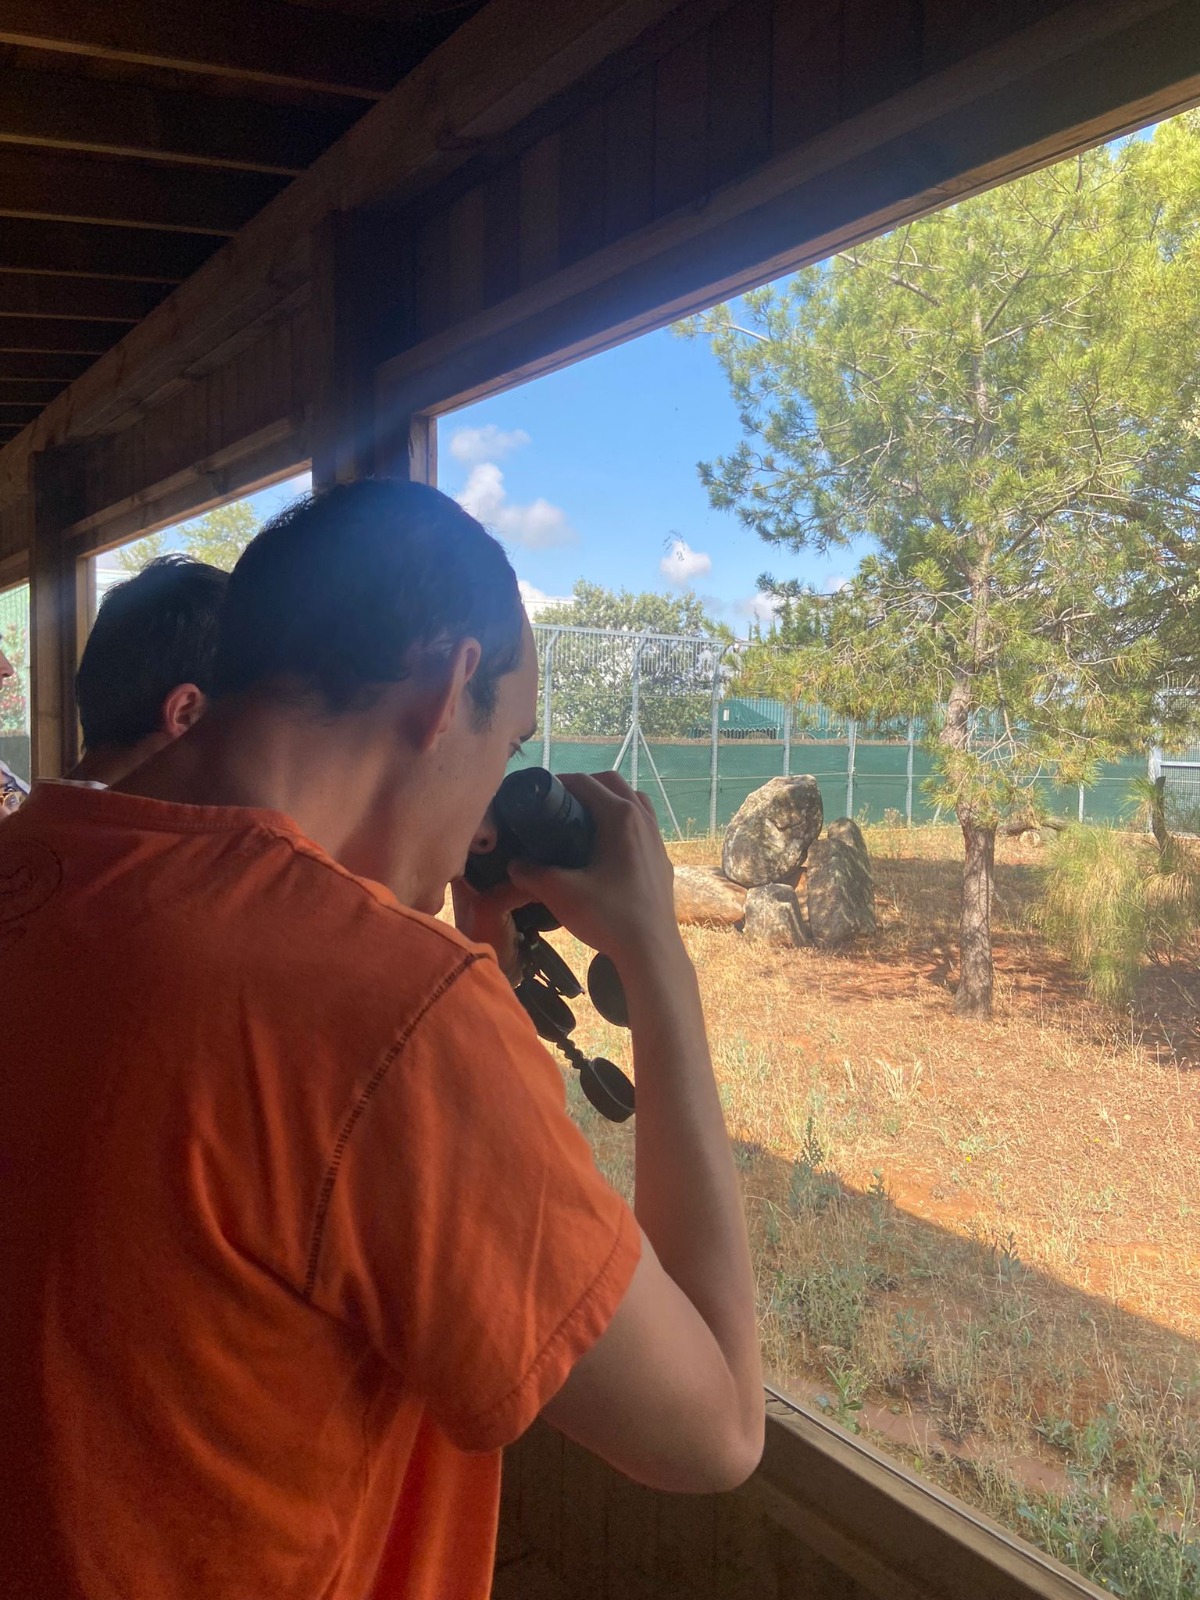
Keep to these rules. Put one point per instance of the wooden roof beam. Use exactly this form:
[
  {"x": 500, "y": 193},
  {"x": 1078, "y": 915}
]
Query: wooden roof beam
[
  {"x": 259, "y": 41},
  {"x": 70, "y": 188},
  {"x": 80, "y": 299},
  {"x": 23, "y": 391},
  {"x": 37, "y": 335},
  {"x": 73, "y": 249},
  {"x": 509, "y": 60},
  {"x": 44, "y": 109},
  {"x": 25, "y": 366}
]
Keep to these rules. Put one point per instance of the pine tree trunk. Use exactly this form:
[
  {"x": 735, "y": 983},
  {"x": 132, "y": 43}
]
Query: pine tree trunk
[
  {"x": 1158, "y": 815},
  {"x": 976, "y": 976}
]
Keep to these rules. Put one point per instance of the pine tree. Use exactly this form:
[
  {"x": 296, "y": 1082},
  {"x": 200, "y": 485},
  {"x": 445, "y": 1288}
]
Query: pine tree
[{"x": 1001, "y": 399}]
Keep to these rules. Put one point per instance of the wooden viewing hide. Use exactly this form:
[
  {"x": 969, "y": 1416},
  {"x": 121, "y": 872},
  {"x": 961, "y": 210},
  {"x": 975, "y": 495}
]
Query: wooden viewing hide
[
  {"x": 220, "y": 261},
  {"x": 824, "y": 1518}
]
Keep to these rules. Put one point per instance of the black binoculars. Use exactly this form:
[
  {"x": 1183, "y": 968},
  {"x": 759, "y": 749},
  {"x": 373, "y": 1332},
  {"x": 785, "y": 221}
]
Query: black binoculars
[{"x": 539, "y": 821}]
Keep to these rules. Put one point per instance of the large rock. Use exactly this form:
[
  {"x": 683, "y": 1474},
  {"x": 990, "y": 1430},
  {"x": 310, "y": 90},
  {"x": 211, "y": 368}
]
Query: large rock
[
  {"x": 769, "y": 837},
  {"x": 846, "y": 831},
  {"x": 773, "y": 916},
  {"x": 839, "y": 891},
  {"x": 705, "y": 895},
  {"x": 802, "y": 898}
]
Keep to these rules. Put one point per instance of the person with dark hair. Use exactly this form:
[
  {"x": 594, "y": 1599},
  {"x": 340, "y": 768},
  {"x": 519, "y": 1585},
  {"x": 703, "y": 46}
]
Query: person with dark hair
[
  {"x": 298, "y": 1232},
  {"x": 146, "y": 670}
]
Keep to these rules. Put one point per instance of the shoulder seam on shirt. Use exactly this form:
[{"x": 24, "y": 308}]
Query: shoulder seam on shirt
[
  {"x": 306, "y": 850},
  {"x": 445, "y": 931},
  {"x": 329, "y": 1182}
]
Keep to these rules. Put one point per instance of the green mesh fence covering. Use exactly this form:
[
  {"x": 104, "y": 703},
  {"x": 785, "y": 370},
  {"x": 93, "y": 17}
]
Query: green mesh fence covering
[
  {"x": 683, "y": 693},
  {"x": 677, "y": 774}
]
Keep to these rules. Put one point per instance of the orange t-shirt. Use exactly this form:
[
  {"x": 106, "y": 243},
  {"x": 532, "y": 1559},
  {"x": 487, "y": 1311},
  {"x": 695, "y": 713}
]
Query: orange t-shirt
[{"x": 296, "y": 1230}]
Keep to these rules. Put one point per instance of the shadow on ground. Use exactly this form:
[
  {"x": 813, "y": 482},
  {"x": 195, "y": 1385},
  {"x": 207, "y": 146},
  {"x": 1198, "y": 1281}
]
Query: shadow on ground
[{"x": 993, "y": 1375}]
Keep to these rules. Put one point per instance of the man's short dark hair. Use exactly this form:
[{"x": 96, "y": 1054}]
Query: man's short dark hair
[
  {"x": 153, "y": 632},
  {"x": 335, "y": 594}
]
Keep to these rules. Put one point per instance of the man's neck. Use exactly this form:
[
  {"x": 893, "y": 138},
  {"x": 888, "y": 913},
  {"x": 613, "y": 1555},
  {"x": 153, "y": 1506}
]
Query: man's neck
[
  {"x": 109, "y": 763},
  {"x": 327, "y": 777}
]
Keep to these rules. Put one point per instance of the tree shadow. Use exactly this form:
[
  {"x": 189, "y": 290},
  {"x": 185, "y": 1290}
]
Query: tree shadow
[
  {"x": 960, "y": 1356},
  {"x": 1166, "y": 1012},
  {"x": 916, "y": 948}
]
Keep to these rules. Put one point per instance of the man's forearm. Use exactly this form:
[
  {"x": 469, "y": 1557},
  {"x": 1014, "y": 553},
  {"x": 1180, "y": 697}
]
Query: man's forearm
[{"x": 688, "y": 1201}]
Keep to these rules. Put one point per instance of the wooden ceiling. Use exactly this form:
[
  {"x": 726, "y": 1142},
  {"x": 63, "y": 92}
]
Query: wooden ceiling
[{"x": 137, "y": 136}]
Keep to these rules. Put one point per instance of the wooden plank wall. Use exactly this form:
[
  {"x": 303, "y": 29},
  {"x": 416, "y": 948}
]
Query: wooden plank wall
[
  {"x": 266, "y": 381},
  {"x": 601, "y": 1537},
  {"x": 16, "y": 530},
  {"x": 703, "y": 101},
  {"x": 262, "y": 388},
  {"x": 825, "y": 1517},
  {"x": 173, "y": 454}
]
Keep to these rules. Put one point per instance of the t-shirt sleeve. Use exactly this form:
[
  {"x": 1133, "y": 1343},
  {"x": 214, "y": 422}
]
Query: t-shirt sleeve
[{"x": 468, "y": 1231}]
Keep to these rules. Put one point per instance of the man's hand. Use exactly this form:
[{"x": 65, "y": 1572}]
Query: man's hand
[
  {"x": 623, "y": 902},
  {"x": 487, "y": 919},
  {"x": 671, "y": 1392}
]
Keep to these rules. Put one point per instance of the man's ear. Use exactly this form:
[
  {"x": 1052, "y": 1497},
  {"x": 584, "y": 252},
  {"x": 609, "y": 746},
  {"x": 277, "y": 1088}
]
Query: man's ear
[
  {"x": 183, "y": 707},
  {"x": 444, "y": 681}
]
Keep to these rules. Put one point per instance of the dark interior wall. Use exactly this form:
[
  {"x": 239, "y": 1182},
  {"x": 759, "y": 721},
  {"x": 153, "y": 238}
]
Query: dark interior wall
[{"x": 249, "y": 402}]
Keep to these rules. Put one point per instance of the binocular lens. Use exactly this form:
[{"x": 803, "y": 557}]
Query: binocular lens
[
  {"x": 608, "y": 1089},
  {"x": 606, "y": 992}
]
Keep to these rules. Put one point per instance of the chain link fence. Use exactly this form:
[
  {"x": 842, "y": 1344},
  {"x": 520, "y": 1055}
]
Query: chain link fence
[
  {"x": 665, "y": 710},
  {"x": 1180, "y": 773},
  {"x": 14, "y": 693}
]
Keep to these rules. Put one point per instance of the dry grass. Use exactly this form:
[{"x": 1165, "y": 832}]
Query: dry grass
[{"x": 974, "y": 1241}]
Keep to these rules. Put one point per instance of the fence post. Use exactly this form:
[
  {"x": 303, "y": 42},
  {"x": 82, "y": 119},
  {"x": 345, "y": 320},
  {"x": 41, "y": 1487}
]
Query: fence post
[
  {"x": 714, "y": 752},
  {"x": 547, "y": 696},
  {"x": 908, "y": 775},
  {"x": 787, "y": 740},
  {"x": 852, "y": 731},
  {"x": 635, "y": 712},
  {"x": 1154, "y": 772},
  {"x": 1081, "y": 803}
]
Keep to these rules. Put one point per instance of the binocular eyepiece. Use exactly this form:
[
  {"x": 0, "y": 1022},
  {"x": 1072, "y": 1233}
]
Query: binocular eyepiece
[
  {"x": 536, "y": 820},
  {"x": 539, "y": 821}
]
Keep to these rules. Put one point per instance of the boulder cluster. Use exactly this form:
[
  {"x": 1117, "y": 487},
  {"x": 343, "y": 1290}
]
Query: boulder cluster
[{"x": 779, "y": 880}]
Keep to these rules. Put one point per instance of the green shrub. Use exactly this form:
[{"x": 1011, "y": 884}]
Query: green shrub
[
  {"x": 1113, "y": 901},
  {"x": 1093, "y": 909}
]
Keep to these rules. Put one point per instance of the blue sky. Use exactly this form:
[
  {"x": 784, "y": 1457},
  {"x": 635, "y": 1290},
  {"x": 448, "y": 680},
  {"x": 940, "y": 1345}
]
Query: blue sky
[
  {"x": 609, "y": 447},
  {"x": 591, "y": 473}
]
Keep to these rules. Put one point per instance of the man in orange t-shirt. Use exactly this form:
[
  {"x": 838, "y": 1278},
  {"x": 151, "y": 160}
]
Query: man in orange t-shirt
[{"x": 298, "y": 1233}]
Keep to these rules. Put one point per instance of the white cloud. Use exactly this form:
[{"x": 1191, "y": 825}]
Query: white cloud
[
  {"x": 531, "y": 595},
  {"x": 489, "y": 443},
  {"x": 538, "y": 525},
  {"x": 682, "y": 565},
  {"x": 536, "y": 600},
  {"x": 832, "y": 585},
  {"x": 758, "y": 607}
]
